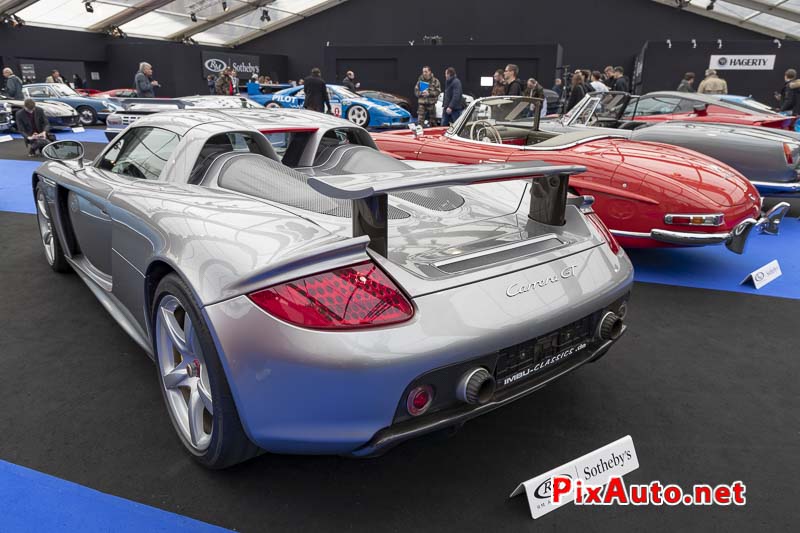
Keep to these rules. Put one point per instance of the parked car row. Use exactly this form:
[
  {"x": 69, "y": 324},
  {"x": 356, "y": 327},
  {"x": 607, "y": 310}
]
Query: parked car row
[{"x": 244, "y": 238}]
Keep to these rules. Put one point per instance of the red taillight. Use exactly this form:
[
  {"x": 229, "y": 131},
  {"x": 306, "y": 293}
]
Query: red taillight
[
  {"x": 419, "y": 399},
  {"x": 357, "y": 296},
  {"x": 610, "y": 240},
  {"x": 787, "y": 151}
]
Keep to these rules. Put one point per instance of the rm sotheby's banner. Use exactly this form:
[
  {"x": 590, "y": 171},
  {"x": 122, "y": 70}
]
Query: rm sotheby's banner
[
  {"x": 594, "y": 468},
  {"x": 742, "y": 62},
  {"x": 215, "y": 62}
]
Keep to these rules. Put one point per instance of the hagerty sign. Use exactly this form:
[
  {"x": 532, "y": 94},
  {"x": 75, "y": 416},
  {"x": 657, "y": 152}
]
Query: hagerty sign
[
  {"x": 742, "y": 62},
  {"x": 245, "y": 65}
]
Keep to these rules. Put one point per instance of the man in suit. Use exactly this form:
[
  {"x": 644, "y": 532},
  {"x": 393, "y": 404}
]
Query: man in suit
[
  {"x": 33, "y": 126},
  {"x": 316, "y": 92}
]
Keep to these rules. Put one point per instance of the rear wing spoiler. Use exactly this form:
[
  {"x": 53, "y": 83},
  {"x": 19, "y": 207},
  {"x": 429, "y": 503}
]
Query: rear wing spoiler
[{"x": 369, "y": 192}]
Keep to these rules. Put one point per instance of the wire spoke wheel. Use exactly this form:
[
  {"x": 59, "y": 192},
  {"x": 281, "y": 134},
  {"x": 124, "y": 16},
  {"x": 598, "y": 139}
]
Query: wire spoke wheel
[{"x": 183, "y": 372}]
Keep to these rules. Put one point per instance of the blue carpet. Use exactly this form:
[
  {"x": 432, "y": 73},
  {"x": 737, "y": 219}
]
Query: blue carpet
[
  {"x": 15, "y": 186},
  {"x": 31, "y": 502},
  {"x": 89, "y": 136},
  {"x": 714, "y": 267}
]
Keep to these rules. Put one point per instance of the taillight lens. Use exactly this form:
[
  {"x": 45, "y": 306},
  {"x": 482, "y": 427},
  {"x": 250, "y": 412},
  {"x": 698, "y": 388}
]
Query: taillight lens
[
  {"x": 716, "y": 219},
  {"x": 610, "y": 240},
  {"x": 357, "y": 296},
  {"x": 787, "y": 151}
]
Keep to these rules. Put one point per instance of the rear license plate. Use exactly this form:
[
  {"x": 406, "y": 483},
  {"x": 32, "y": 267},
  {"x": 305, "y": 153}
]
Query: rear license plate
[{"x": 536, "y": 356}]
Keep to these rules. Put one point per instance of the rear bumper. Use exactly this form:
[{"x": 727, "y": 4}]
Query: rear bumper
[
  {"x": 735, "y": 240},
  {"x": 389, "y": 437}
]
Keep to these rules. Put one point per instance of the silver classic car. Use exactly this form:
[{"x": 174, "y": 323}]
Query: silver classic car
[
  {"x": 768, "y": 157},
  {"x": 302, "y": 292}
]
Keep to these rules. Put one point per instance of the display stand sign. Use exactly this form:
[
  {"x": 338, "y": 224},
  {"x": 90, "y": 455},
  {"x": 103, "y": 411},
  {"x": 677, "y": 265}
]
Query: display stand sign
[
  {"x": 761, "y": 276},
  {"x": 487, "y": 81},
  {"x": 594, "y": 468},
  {"x": 79, "y": 129},
  {"x": 6, "y": 138}
]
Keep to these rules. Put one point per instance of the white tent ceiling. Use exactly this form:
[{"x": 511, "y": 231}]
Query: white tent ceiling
[
  {"x": 776, "y": 18},
  {"x": 212, "y": 22}
]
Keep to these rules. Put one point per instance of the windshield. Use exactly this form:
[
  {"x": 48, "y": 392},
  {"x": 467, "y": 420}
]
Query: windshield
[
  {"x": 345, "y": 93},
  {"x": 62, "y": 90},
  {"x": 595, "y": 108},
  {"x": 500, "y": 110}
]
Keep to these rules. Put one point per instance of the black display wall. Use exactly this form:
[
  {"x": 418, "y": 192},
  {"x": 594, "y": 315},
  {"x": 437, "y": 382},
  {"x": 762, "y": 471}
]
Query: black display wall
[
  {"x": 592, "y": 33},
  {"x": 176, "y": 66},
  {"x": 664, "y": 66},
  {"x": 396, "y": 68}
]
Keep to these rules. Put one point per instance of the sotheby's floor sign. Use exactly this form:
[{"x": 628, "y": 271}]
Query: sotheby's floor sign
[
  {"x": 763, "y": 275},
  {"x": 595, "y": 468}
]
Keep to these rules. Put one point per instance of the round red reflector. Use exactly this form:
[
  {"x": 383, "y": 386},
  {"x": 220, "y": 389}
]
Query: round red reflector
[{"x": 419, "y": 399}]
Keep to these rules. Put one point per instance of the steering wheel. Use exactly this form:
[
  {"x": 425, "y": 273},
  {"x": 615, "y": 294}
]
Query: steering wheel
[{"x": 482, "y": 130}]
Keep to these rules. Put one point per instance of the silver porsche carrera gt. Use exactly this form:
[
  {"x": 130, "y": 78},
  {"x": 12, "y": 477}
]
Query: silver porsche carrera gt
[{"x": 302, "y": 292}]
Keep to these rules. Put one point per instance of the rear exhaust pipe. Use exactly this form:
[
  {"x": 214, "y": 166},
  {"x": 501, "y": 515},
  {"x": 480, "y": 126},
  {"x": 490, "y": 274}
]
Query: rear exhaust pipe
[
  {"x": 476, "y": 386},
  {"x": 610, "y": 327}
]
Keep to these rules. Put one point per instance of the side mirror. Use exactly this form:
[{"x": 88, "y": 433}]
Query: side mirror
[
  {"x": 63, "y": 151},
  {"x": 700, "y": 109}
]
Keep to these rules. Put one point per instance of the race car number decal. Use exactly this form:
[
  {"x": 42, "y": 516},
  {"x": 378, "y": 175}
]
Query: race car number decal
[{"x": 336, "y": 109}]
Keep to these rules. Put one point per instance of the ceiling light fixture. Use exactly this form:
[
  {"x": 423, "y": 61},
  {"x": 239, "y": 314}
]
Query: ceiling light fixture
[
  {"x": 193, "y": 17},
  {"x": 89, "y": 7},
  {"x": 224, "y": 5},
  {"x": 265, "y": 16},
  {"x": 710, "y": 6}
]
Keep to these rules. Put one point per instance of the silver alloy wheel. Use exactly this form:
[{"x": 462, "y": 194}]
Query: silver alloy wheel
[
  {"x": 183, "y": 373},
  {"x": 86, "y": 116},
  {"x": 357, "y": 115},
  {"x": 45, "y": 227}
]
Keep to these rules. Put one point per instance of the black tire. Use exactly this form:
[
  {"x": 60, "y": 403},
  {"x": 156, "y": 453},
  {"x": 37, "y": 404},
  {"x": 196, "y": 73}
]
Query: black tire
[
  {"x": 58, "y": 262},
  {"x": 358, "y": 111},
  {"x": 87, "y": 115},
  {"x": 272, "y": 105},
  {"x": 229, "y": 444}
]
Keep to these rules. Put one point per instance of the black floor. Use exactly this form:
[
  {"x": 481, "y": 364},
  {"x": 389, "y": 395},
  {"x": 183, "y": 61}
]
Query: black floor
[{"x": 705, "y": 382}]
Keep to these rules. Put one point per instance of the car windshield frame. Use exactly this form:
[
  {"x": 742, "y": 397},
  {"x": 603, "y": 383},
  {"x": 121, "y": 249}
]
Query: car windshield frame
[
  {"x": 516, "y": 107},
  {"x": 62, "y": 90}
]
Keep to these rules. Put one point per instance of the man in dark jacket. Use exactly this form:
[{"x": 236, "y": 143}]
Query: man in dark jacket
[
  {"x": 13, "y": 84},
  {"x": 513, "y": 85},
  {"x": 350, "y": 82},
  {"x": 790, "y": 94},
  {"x": 143, "y": 82},
  {"x": 620, "y": 81},
  {"x": 316, "y": 92},
  {"x": 33, "y": 126},
  {"x": 452, "y": 104}
]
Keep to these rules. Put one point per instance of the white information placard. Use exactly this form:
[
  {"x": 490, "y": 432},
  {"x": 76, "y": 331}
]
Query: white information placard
[
  {"x": 594, "y": 468},
  {"x": 487, "y": 81},
  {"x": 79, "y": 129},
  {"x": 742, "y": 62},
  {"x": 761, "y": 276},
  {"x": 6, "y": 138}
]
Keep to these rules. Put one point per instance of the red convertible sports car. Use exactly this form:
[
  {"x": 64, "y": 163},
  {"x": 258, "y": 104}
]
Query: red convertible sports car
[
  {"x": 694, "y": 107},
  {"x": 648, "y": 194}
]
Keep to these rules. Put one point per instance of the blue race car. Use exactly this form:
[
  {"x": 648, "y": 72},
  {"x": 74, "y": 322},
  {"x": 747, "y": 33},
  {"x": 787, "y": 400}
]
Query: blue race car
[
  {"x": 755, "y": 105},
  {"x": 362, "y": 111},
  {"x": 90, "y": 110}
]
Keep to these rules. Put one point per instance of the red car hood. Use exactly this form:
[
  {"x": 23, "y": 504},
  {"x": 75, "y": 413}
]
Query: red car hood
[{"x": 684, "y": 171}]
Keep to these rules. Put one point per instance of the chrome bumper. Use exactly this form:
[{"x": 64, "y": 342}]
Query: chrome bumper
[
  {"x": 776, "y": 188},
  {"x": 734, "y": 240}
]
